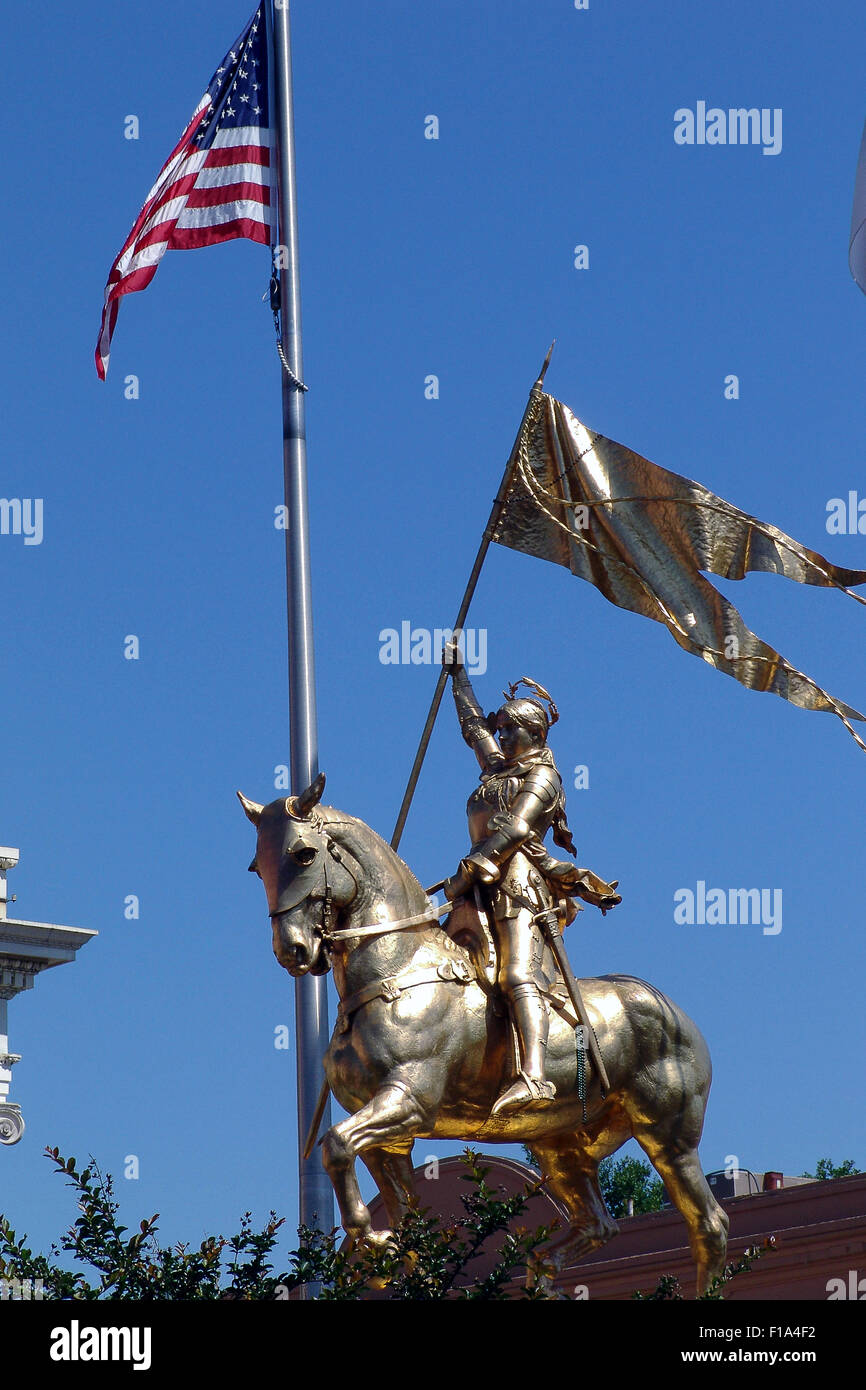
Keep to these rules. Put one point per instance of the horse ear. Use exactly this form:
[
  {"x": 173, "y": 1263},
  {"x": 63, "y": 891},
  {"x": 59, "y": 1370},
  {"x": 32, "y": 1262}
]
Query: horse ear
[
  {"x": 304, "y": 803},
  {"x": 252, "y": 809}
]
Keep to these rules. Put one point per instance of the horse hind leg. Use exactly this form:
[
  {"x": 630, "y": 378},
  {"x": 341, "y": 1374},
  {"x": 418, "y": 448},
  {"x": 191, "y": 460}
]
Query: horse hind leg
[
  {"x": 393, "y": 1115},
  {"x": 681, "y": 1172},
  {"x": 572, "y": 1176}
]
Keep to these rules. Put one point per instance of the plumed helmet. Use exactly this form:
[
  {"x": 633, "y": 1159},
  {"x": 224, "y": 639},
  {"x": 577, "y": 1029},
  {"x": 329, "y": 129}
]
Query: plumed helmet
[{"x": 530, "y": 714}]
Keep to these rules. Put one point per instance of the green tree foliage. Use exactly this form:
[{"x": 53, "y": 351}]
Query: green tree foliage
[
  {"x": 668, "y": 1286},
  {"x": 621, "y": 1179},
  {"x": 428, "y": 1261},
  {"x": 124, "y": 1266},
  {"x": 629, "y": 1178},
  {"x": 825, "y": 1168},
  {"x": 424, "y": 1261}
]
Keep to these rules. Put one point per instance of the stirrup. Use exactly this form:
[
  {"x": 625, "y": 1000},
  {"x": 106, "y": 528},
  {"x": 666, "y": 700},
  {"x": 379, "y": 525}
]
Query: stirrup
[{"x": 525, "y": 1090}]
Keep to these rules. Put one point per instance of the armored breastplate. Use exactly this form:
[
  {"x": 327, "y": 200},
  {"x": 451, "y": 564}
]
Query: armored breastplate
[{"x": 494, "y": 793}]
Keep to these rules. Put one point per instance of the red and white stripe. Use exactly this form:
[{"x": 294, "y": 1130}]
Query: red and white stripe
[{"x": 202, "y": 196}]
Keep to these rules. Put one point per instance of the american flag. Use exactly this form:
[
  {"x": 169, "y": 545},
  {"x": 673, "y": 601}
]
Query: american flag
[{"x": 215, "y": 184}]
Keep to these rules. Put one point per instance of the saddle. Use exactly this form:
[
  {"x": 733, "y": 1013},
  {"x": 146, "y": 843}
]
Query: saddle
[{"x": 468, "y": 925}]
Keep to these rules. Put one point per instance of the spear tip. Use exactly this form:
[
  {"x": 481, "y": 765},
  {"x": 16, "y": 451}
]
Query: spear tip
[{"x": 540, "y": 382}]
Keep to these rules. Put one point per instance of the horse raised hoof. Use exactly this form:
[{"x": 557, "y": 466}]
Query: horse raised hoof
[
  {"x": 376, "y": 1242},
  {"x": 526, "y": 1090}
]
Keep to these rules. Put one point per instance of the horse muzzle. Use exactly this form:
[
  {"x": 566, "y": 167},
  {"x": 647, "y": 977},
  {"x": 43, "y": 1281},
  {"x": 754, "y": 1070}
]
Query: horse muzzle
[{"x": 295, "y": 947}]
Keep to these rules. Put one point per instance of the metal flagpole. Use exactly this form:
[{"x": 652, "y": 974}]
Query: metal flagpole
[
  {"x": 316, "y": 1199},
  {"x": 486, "y": 538}
]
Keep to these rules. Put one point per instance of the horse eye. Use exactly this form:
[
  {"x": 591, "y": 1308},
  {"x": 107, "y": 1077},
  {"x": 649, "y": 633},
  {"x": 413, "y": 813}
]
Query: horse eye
[{"x": 304, "y": 856}]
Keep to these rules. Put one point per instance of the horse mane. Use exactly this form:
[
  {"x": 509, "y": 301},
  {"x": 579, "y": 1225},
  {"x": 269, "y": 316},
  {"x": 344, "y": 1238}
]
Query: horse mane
[{"x": 331, "y": 818}]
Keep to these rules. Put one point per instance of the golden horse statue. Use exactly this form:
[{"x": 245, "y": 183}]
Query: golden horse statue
[{"x": 422, "y": 1046}]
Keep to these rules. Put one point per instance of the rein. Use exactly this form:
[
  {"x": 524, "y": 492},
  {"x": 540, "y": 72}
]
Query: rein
[
  {"x": 329, "y": 936},
  {"x": 380, "y": 928}
]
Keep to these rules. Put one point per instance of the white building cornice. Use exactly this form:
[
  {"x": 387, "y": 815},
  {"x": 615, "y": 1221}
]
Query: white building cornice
[{"x": 26, "y": 949}]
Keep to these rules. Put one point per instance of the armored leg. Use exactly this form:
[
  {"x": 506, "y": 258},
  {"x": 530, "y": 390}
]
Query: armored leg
[
  {"x": 520, "y": 953},
  {"x": 531, "y": 1018}
]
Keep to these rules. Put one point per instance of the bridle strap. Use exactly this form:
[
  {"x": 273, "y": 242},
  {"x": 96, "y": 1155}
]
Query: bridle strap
[
  {"x": 380, "y": 928},
  {"x": 450, "y": 971},
  {"x": 326, "y": 897},
  {"x": 431, "y": 915}
]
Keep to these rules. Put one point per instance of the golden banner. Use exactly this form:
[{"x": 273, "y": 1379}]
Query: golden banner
[{"x": 642, "y": 535}]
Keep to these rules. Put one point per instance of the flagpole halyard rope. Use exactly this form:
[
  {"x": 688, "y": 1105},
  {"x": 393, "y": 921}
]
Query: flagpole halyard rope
[
  {"x": 295, "y": 381},
  {"x": 275, "y": 292}
]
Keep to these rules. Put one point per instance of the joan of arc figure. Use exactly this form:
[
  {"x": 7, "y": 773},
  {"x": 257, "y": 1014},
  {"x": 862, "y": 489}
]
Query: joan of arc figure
[{"x": 519, "y": 798}]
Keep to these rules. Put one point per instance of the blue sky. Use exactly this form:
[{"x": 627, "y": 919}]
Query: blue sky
[{"x": 451, "y": 257}]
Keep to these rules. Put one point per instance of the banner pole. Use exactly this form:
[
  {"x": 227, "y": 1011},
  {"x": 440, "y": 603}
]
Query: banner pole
[{"x": 486, "y": 538}]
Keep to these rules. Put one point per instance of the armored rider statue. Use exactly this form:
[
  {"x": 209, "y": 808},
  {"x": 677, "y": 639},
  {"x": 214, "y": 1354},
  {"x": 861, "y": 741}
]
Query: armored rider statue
[{"x": 519, "y": 798}]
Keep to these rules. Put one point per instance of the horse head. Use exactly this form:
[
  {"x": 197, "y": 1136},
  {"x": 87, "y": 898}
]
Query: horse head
[{"x": 306, "y": 882}]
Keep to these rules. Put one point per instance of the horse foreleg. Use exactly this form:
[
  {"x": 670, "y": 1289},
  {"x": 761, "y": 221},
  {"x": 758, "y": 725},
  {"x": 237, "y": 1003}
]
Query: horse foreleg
[
  {"x": 392, "y": 1115},
  {"x": 392, "y": 1171}
]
